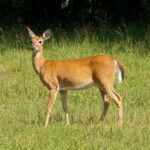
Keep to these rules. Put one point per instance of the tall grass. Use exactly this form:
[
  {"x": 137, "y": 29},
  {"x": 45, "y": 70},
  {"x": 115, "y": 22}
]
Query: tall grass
[
  {"x": 133, "y": 36},
  {"x": 23, "y": 98}
]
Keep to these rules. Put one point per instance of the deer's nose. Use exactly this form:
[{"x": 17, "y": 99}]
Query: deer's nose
[{"x": 32, "y": 48}]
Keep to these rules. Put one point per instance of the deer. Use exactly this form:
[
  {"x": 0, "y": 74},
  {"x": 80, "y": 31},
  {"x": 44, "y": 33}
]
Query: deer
[{"x": 76, "y": 74}]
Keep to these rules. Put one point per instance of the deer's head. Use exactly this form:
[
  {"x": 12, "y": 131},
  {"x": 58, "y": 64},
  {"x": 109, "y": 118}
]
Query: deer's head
[{"x": 37, "y": 41}]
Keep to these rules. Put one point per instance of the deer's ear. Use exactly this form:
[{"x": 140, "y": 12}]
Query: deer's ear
[
  {"x": 47, "y": 34},
  {"x": 31, "y": 33}
]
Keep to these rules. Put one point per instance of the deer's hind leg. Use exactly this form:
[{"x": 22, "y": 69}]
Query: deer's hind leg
[
  {"x": 106, "y": 103},
  {"x": 107, "y": 90},
  {"x": 118, "y": 100}
]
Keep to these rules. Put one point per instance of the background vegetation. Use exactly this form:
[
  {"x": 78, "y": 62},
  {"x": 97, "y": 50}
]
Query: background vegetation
[{"x": 73, "y": 13}]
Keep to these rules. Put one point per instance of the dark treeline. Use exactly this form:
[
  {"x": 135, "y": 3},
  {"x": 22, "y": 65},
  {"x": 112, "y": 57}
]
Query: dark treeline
[{"x": 73, "y": 12}]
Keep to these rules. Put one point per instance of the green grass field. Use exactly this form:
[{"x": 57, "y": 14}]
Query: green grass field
[{"x": 23, "y": 98}]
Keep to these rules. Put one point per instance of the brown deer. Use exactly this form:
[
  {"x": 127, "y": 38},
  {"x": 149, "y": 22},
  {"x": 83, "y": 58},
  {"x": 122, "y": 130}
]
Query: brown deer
[{"x": 62, "y": 75}]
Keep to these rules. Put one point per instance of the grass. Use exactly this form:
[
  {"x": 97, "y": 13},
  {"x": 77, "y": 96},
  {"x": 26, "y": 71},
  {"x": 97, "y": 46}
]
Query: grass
[{"x": 23, "y": 98}]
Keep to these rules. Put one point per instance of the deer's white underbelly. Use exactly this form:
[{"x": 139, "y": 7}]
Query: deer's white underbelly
[{"x": 78, "y": 87}]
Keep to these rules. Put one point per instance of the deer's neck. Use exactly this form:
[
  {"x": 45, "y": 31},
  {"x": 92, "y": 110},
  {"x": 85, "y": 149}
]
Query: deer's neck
[{"x": 38, "y": 61}]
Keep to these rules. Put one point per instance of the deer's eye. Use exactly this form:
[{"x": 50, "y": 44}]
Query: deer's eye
[{"x": 40, "y": 42}]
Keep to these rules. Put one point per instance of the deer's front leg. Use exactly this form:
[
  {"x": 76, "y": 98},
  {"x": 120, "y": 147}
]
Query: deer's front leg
[
  {"x": 52, "y": 98},
  {"x": 63, "y": 95}
]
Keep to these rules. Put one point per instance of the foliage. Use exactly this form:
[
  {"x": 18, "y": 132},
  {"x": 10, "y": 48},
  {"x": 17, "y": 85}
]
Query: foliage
[{"x": 76, "y": 12}]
